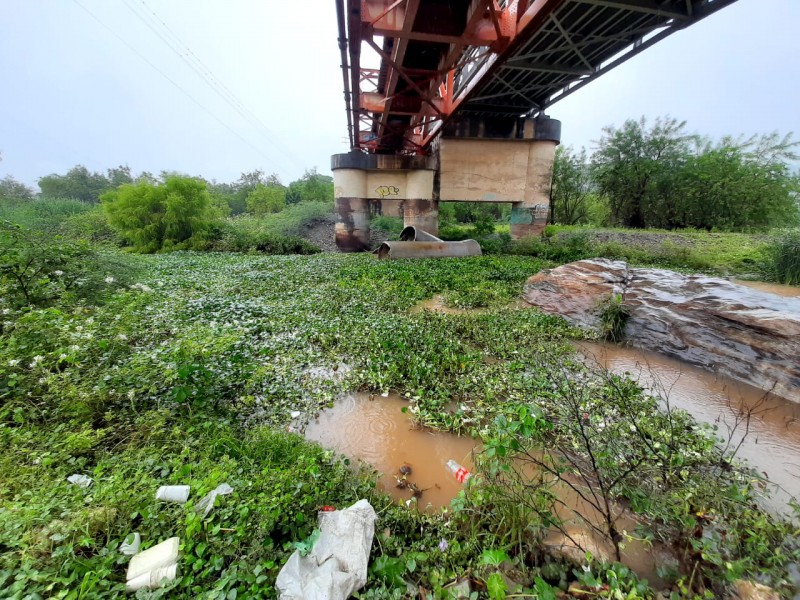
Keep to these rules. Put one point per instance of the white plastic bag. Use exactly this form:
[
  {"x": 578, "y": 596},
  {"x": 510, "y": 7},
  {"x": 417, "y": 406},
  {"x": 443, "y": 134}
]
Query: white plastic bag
[
  {"x": 207, "y": 503},
  {"x": 173, "y": 493},
  {"x": 80, "y": 480},
  {"x": 337, "y": 565}
]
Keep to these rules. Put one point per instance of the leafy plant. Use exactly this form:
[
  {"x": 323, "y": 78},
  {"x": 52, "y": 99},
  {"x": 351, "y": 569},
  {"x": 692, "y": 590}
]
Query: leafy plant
[{"x": 613, "y": 317}]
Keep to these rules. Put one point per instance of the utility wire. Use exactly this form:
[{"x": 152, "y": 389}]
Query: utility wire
[
  {"x": 203, "y": 66},
  {"x": 171, "y": 39},
  {"x": 168, "y": 78}
]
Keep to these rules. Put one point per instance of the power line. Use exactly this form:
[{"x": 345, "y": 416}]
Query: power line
[
  {"x": 171, "y": 39},
  {"x": 168, "y": 78}
]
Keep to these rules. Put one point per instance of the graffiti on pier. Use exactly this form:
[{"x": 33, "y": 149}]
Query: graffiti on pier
[{"x": 387, "y": 190}]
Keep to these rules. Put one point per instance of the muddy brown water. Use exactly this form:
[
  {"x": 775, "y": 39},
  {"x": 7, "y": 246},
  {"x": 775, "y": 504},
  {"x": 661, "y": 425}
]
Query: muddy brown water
[
  {"x": 772, "y": 444},
  {"x": 374, "y": 429},
  {"x": 787, "y": 291}
]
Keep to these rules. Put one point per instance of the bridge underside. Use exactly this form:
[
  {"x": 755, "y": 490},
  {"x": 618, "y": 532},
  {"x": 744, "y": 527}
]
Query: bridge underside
[
  {"x": 456, "y": 109},
  {"x": 444, "y": 59}
]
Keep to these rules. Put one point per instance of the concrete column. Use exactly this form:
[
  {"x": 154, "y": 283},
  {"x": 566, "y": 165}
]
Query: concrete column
[
  {"x": 419, "y": 209},
  {"x": 352, "y": 210},
  {"x": 422, "y": 214},
  {"x": 530, "y": 216}
]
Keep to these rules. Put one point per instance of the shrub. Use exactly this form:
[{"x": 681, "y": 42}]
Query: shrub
[
  {"x": 391, "y": 225},
  {"x": 245, "y": 235},
  {"x": 295, "y": 218},
  {"x": 266, "y": 199},
  {"x": 91, "y": 226},
  {"x": 37, "y": 269},
  {"x": 172, "y": 216},
  {"x": 561, "y": 248},
  {"x": 786, "y": 257}
]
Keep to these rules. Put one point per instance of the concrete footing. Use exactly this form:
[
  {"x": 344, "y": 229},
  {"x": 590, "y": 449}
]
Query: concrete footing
[
  {"x": 421, "y": 214},
  {"x": 352, "y": 224}
]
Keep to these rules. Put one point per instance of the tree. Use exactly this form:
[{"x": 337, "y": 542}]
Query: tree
[
  {"x": 78, "y": 183},
  {"x": 572, "y": 187},
  {"x": 737, "y": 185},
  {"x": 119, "y": 176},
  {"x": 634, "y": 167},
  {"x": 11, "y": 189},
  {"x": 266, "y": 199},
  {"x": 311, "y": 187},
  {"x": 151, "y": 217}
]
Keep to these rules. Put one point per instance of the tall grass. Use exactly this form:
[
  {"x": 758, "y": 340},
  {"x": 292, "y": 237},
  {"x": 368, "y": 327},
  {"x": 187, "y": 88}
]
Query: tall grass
[
  {"x": 786, "y": 257},
  {"x": 45, "y": 214}
]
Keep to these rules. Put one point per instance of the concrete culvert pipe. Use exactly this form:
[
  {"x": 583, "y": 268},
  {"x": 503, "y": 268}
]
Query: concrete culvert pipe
[
  {"x": 413, "y": 234},
  {"x": 437, "y": 249}
]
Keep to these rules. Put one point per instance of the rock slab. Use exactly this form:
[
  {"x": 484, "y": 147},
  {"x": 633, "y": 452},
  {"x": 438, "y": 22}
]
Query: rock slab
[{"x": 746, "y": 334}]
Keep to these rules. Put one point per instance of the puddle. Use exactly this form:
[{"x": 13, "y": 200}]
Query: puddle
[
  {"x": 778, "y": 289},
  {"x": 772, "y": 445},
  {"x": 376, "y": 431},
  {"x": 379, "y": 433},
  {"x": 437, "y": 304}
]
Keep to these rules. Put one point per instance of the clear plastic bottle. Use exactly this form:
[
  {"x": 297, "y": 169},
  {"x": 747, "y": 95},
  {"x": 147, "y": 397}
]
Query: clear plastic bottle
[{"x": 459, "y": 472}]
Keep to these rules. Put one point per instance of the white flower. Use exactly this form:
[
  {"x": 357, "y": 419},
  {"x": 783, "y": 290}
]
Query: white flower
[
  {"x": 74, "y": 347},
  {"x": 6, "y": 311},
  {"x": 110, "y": 279},
  {"x": 36, "y": 360},
  {"x": 58, "y": 273},
  {"x": 13, "y": 362},
  {"x": 62, "y": 357},
  {"x": 122, "y": 337}
]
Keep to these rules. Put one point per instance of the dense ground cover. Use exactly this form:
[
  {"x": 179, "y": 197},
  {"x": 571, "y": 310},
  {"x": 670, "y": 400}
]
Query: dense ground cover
[{"x": 190, "y": 373}]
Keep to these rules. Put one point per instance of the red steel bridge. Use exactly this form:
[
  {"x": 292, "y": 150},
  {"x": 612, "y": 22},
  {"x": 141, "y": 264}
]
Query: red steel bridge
[{"x": 441, "y": 59}]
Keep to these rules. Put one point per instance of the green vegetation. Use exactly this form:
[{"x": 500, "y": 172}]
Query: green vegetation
[
  {"x": 81, "y": 184},
  {"x": 265, "y": 200},
  {"x": 191, "y": 368},
  {"x": 786, "y": 257},
  {"x": 191, "y": 375},
  {"x": 659, "y": 176},
  {"x": 176, "y": 214},
  {"x": 613, "y": 317},
  {"x": 741, "y": 255}
]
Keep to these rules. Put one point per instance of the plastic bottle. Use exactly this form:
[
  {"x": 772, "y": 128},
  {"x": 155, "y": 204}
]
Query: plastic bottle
[{"x": 459, "y": 472}]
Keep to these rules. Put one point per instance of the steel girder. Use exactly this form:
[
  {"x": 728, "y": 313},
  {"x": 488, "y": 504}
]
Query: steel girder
[{"x": 490, "y": 58}]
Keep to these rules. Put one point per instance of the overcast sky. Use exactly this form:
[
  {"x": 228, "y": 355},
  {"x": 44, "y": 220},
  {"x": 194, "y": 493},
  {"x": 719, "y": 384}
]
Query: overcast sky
[{"x": 87, "y": 81}]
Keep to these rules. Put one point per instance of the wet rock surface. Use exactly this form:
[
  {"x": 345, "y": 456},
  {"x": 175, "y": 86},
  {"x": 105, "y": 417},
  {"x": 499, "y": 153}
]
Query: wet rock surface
[{"x": 746, "y": 334}]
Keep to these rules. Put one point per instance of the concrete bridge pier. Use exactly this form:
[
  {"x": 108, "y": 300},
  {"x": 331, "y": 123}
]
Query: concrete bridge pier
[
  {"x": 501, "y": 159},
  {"x": 486, "y": 159},
  {"x": 366, "y": 184}
]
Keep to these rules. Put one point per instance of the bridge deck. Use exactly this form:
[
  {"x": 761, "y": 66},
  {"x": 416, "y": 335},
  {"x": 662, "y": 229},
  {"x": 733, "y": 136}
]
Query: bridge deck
[{"x": 442, "y": 59}]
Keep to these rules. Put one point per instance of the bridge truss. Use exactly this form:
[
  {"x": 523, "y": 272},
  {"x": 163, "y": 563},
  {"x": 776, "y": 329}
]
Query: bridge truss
[{"x": 488, "y": 58}]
